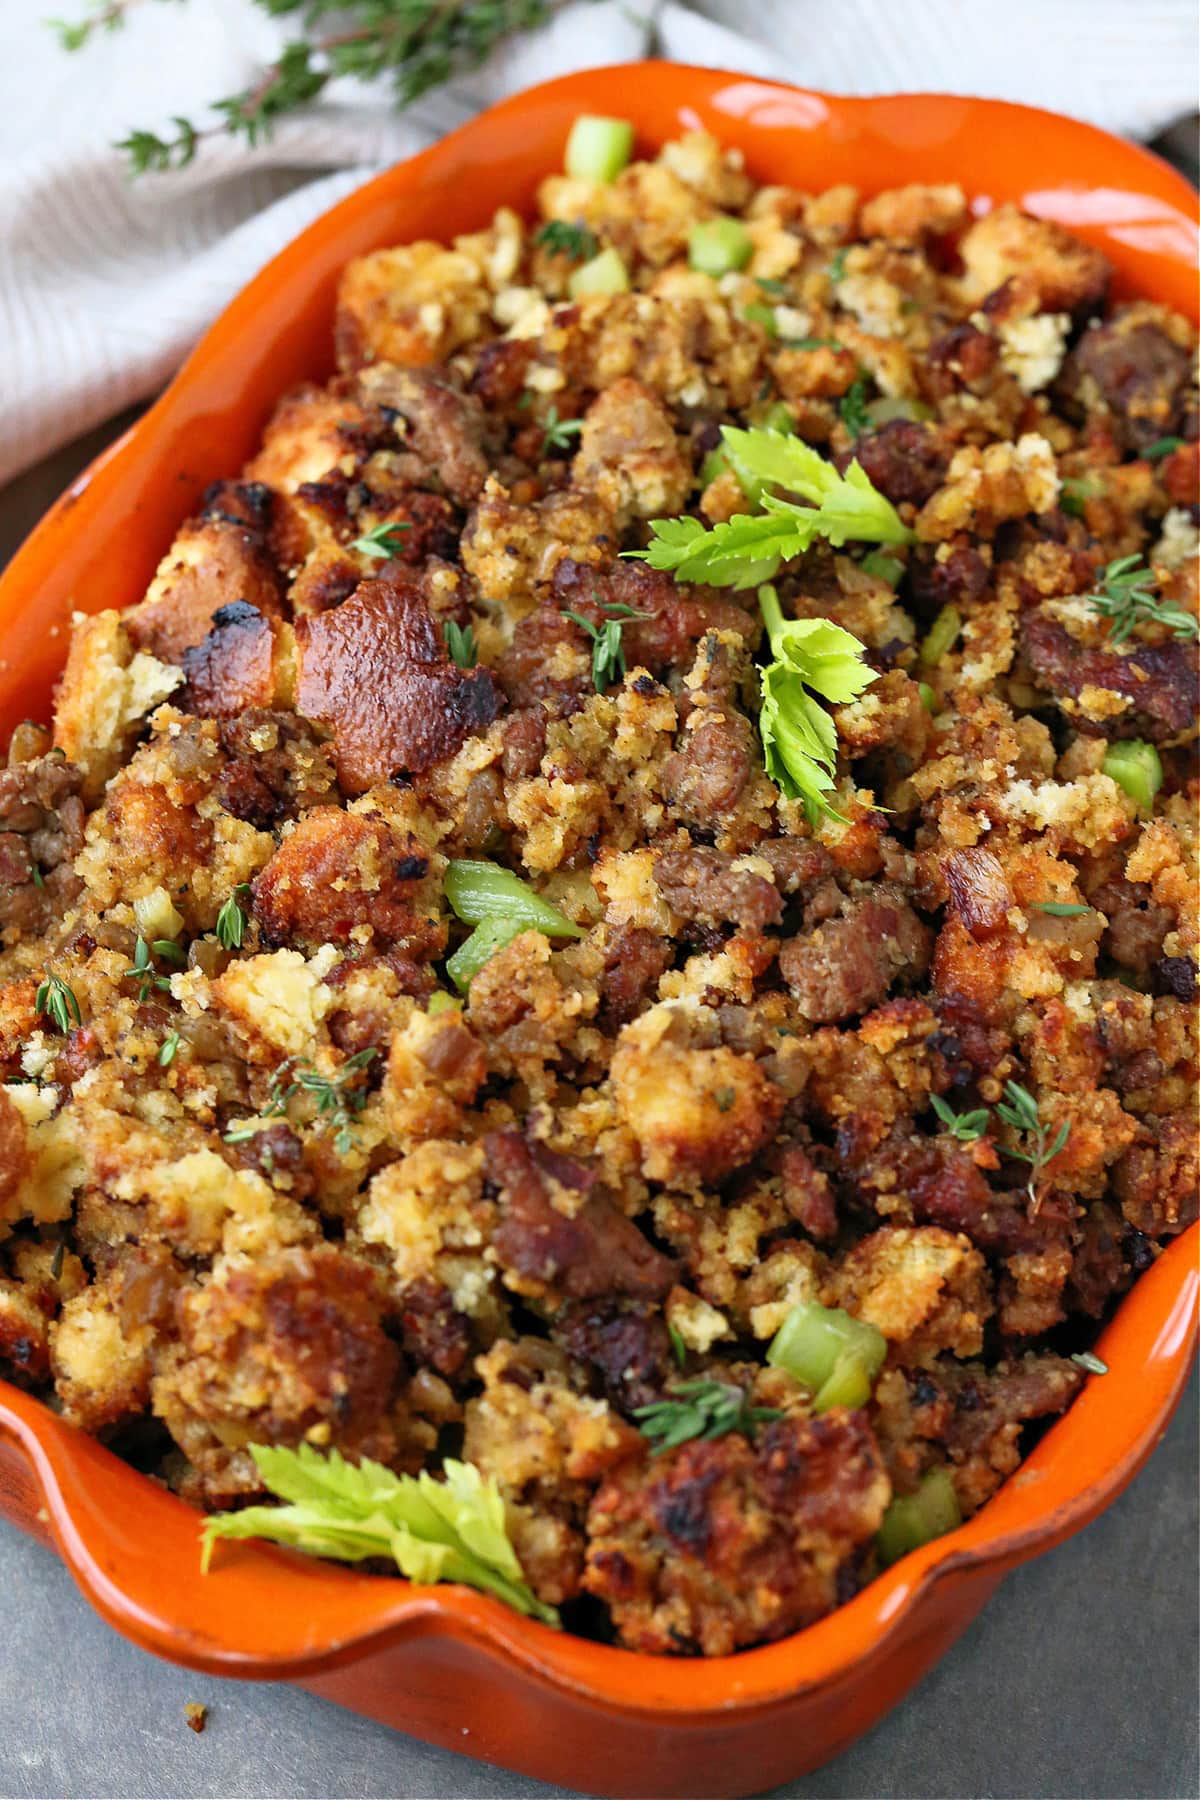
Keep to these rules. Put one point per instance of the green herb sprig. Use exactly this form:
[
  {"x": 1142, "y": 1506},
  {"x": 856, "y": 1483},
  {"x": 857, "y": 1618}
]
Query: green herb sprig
[
  {"x": 1127, "y": 597},
  {"x": 55, "y": 1000},
  {"x": 559, "y": 432},
  {"x": 608, "y": 649},
  {"x": 1020, "y": 1110},
  {"x": 142, "y": 970},
  {"x": 413, "y": 45},
  {"x": 561, "y": 238},
  {"x": 748, "y": 548},
  {"x": 811, "y": 660},
  {"x": 339, "y": 1098},
  {"x": 966, "y": 1127},
  {"x": 700, "y": 1409},
  {"x": 233, "y": 919},
  {"x": 460, "y": 642},
  {"x": 853, "y": 407},
  {"x": 382, "y": 541},
  {"x": 451, "y": 1530}
]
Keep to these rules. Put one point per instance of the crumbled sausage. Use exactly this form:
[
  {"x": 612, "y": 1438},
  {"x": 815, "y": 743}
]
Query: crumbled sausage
[{"x": 585, "y": 1248}]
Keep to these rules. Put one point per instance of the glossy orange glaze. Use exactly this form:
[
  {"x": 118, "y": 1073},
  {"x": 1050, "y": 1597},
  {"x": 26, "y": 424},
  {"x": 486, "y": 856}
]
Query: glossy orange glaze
[{"x": 447, "y": 1664}]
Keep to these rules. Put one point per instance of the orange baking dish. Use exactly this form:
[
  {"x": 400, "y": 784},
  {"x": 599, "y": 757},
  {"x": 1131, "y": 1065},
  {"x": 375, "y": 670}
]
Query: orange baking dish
[{"x": 445, "y": 1663}]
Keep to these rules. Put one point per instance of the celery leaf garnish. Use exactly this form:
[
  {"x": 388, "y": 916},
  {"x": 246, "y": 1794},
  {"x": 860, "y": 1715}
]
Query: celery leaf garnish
[
  {"x": 747, "y": 549},
  {"x": 811, "y": 658},
  {"x": 451, "y": 1530}
]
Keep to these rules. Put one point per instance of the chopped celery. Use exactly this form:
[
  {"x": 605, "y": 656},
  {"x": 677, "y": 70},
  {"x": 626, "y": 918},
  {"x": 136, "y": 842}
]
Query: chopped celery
[
  {"x": 156, "y": 915},
  {"x": 442, "y": 1002},
  {"x": 717, "y": 246},
  {"x": 915, "y": 1519},
  {"x": 479, "y": 948},
  {"x": 483, "y": 891},
  {"x": 942, "y": 634},
  {"x": 896, "y": 406},
  {"x": 830, "y": 1352},
  {"x": 757, "y": 314},
  {"x": 849, "y": 1385},
  {"x": 928, "y": 697},
  {"x": 605, "y": 274},
  {"x": 598, "y": 148},
  {"x": 888, "y": 568},
  {"x": 1136, "y": 767}
]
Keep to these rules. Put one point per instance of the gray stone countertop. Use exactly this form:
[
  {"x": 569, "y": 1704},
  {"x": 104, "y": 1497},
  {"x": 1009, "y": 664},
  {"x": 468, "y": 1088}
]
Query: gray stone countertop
[{"x": 1079, "y": 1679}]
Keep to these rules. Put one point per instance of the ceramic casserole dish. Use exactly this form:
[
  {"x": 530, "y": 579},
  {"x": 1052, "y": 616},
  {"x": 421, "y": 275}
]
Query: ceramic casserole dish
[{"x": 448, "y": 1664}]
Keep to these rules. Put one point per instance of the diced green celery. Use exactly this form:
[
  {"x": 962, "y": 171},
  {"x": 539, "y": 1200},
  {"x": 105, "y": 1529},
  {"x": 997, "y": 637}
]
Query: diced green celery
[
  {"x": 479, "y": 948},
  {"x": 942, "y": 635},
  {"x": 717, "y": 246},
  {"x": 442, "y": 1002},
  {"x": 598, "y": 148},
  {"x": 605, "y": 274},
  {"x": 928, "y": 697},
  {"x": 1136, "y": 767},
  {"x": 888, "y": 568},
  {"x": 896, "y": 406},
  {"x": 915, "y": 1519},
  {"x": 480, "y": 891},
  {"x": 816, "y": 1343},
  {"x": 849, "y": 1385},
  {"x": 156, "y": 915},
  {"x": 714, "y": 464},
  {"x": 758, "y": 314}
]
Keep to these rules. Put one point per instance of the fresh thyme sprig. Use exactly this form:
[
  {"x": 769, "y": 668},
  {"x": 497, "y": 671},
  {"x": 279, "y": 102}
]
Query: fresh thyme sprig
[
  {"x": 338, "y": 1099},
  {"x": 1020, "y": 1110},
  {"x": 460, "y": 642},
  {"x": 700, "y": 1409},
  {"x": 1127, "y": 597},
  {"x": 1163, "y": 446},
  {"x": 415, "y": 45},
  {"x": 382, "y": 541},
  {"x": 55, "y": 1000},
  {"x": 142, "y": 969},
  {"x": 559, "y": 432},
  {"x": 608, "y": 650},
  {"x": 966, "y": 1127},
  {"x": 561, "y": 238},
  {"x": 853, "y": 407},
  {"x": 232, "y": 919},
  {"x": 74, "y": 34}
]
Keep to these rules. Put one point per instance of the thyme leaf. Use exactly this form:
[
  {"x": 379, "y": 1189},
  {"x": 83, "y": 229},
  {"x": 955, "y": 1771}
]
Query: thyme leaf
[{"x": 700, "y": 1409}]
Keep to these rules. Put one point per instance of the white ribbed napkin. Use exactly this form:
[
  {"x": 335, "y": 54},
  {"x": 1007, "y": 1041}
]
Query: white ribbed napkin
[{"x": 105, "y": 282}]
